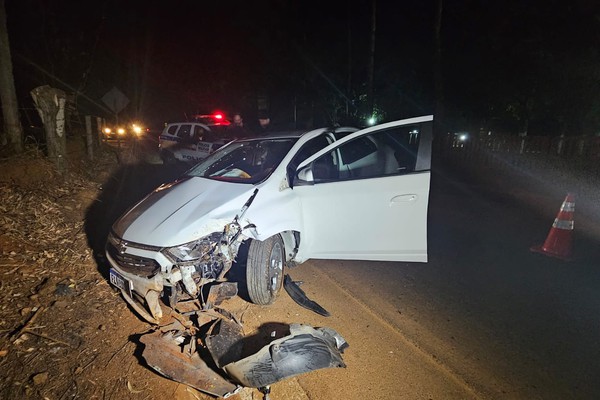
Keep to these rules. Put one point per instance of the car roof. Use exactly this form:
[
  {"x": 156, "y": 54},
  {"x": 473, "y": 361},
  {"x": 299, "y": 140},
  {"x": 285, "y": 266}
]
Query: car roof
[
  {"x": 186, "y": 123},
  {"x": 299, "y": 133},
  {"x": 278, "y": 135}
]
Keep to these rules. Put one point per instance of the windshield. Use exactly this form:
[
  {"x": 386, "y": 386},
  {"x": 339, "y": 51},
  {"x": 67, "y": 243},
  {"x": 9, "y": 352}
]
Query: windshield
[{"x": 248, "y": 161}]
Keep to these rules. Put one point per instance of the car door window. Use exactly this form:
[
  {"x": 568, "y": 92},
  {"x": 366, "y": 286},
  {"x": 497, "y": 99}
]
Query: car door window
[
  {"x": 385, "y": 152},
  {"x": 342, "y": 134},
  {"x": 309, "y": 148},
  {"x": 172, "y": 130},
  {"x": 184, "y": 131}
]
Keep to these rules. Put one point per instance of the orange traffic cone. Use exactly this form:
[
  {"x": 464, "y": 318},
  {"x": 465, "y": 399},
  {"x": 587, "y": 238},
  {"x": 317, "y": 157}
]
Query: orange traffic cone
[{"x": 559, "y": 240}]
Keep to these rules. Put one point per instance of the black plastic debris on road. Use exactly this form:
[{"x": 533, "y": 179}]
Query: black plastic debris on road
[{"x": 300, "y": 297}]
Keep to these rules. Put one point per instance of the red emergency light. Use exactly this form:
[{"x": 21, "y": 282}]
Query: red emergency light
[{"x": 215, "y": 118}]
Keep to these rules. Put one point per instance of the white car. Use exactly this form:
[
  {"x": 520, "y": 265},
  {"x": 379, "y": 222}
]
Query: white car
[
  {"x": 191, "y": 141},
  {"x": 326, "y": 194}
]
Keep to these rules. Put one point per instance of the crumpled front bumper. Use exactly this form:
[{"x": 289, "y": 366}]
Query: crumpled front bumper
[{"x": 149, "y": 290}]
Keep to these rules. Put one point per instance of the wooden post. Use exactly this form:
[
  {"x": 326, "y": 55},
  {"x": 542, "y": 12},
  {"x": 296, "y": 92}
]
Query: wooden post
[
  {"x": 99, "y": 131},
  {"x": 89, "y": 139}
]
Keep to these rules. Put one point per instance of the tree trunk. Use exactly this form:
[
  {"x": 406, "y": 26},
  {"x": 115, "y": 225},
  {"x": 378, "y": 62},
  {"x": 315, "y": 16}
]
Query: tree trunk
[
  {"x": 50, "y": 103},
  {"x": 99, "y": 124},
  {"x": 13, "y": 131},
  {"x": 89, "y": 137}
]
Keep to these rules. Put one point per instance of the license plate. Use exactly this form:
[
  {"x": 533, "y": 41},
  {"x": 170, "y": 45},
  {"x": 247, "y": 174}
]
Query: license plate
[{"x": 121, "y": 282}]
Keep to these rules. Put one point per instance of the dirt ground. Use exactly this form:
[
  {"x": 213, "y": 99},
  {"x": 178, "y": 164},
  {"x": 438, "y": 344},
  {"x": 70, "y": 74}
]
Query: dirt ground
[{"x": 64, "y": 331}]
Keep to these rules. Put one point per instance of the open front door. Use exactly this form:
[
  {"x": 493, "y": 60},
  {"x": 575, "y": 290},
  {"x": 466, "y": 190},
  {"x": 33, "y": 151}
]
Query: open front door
[{"x": 365, "y": 197}]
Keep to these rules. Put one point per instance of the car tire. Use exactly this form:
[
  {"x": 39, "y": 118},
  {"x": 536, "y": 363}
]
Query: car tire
[{"x": 264, "y": 269}]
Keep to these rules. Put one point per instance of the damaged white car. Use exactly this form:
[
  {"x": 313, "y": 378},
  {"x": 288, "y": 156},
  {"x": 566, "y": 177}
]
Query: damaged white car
[{"x": 327, "y": 194}]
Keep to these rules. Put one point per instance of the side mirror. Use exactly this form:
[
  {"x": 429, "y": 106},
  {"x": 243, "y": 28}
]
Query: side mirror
[{"x": 304, "y": 174}]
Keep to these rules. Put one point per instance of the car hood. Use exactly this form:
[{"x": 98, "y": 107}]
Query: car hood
[{"x": 181, "y": 211}]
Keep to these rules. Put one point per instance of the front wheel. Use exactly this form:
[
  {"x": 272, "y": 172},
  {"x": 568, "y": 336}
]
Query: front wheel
[{"x": 264, "y": 269}]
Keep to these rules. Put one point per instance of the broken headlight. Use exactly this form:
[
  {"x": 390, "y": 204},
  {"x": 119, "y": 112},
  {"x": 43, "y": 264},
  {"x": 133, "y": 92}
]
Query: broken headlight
[{"x": 193, "y": 251}]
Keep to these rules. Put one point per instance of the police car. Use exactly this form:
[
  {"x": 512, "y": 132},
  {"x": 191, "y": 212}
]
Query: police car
[{"x": 193, "y": 141}]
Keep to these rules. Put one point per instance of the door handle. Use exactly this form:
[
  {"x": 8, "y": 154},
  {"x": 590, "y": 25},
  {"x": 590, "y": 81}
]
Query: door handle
[{"x": 404, "y": 198}]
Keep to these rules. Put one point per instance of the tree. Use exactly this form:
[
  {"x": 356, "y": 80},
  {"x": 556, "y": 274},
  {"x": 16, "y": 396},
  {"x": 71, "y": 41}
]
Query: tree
[
  {"x": 50, "y": 103},
  {"x": 13, "y": 133}
]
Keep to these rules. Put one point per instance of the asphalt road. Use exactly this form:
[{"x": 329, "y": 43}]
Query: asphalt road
[{"x": 505, "y": 322}]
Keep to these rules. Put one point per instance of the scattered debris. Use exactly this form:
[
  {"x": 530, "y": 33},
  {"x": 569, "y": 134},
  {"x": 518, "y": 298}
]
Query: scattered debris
[
  {"x": 219, "y": 293},
  {"x": 300, "y": 297},
  {"x": 131, "y": 389},
  {"x": 306, "y": 349},
  {"x": 163, "y": 352},
  {"x": 65, "y": 289},
  {"x": 178, "y": 353}
]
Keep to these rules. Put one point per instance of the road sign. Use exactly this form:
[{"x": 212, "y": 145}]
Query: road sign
[{"x": 115, "y": 100}]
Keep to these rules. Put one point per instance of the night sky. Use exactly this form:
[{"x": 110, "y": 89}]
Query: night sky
[{"x": 506, "y": 65}]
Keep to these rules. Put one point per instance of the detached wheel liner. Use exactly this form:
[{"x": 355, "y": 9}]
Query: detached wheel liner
[{"x": 264, "y": 269}]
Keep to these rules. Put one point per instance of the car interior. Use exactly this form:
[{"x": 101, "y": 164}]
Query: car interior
[{"x": 389, "y": 152}]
